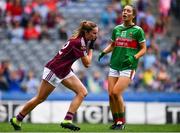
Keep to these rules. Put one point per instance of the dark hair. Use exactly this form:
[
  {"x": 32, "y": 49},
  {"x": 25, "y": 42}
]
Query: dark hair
[
  {"x": 85, "y": 26},
  {"x": 134, "y": 12}
]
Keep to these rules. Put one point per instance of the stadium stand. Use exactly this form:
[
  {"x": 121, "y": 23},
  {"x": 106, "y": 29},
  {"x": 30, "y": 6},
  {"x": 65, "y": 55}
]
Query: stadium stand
[{"x": 21, "y": 55}]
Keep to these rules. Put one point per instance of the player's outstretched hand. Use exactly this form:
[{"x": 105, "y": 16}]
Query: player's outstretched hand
[{"x": 101, "y": 55}]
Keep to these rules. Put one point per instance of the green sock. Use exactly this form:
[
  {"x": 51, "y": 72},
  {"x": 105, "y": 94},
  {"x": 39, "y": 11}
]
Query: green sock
[
  {"x": 121, "y": 115},
  {"x": 115, "y": 116}
]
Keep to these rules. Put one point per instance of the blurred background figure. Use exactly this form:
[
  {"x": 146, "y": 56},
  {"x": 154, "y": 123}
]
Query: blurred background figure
[{"x": 30, "y": 83}]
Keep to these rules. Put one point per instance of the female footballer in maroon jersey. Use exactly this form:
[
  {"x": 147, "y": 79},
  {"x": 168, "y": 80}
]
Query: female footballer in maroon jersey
[{"x": 58, "y": 70}]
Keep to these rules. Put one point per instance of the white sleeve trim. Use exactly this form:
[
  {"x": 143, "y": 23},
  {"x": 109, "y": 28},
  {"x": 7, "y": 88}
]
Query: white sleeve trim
[{"x": 142, "y": 41}]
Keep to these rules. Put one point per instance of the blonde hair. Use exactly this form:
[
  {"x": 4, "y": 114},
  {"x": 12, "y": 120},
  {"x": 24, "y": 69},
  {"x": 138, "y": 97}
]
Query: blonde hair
[{"x": 85, "y": 26}]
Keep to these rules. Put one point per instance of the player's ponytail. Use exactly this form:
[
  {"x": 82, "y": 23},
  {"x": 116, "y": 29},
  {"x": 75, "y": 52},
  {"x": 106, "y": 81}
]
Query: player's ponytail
[
  {"x": 134, "y": 13},
  {"x": 85, "y": 26}
]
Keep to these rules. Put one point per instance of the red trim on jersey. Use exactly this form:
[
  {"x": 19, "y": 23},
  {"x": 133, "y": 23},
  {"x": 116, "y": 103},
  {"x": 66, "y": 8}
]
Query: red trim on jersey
[{"x": 127, "y": 43}]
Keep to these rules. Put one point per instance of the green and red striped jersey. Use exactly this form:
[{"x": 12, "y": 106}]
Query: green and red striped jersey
[{"x": 127, "y": 42}]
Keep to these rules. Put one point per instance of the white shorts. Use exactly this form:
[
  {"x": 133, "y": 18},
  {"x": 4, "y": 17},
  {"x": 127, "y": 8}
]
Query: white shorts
[
  {"x": 125, "y": 73},
  {"x": 50, "y": 76}
]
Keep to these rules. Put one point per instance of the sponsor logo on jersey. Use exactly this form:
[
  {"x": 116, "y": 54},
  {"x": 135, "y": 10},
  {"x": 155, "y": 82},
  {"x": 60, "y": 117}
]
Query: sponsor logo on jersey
[{"x": 126, "y": 42}]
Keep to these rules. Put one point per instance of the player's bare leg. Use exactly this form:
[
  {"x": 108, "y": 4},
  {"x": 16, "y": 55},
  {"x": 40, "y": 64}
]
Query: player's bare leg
[
  {"x": 74, "y": 84},
  {"x": 117, "y": 92},
  {"x": 111, "y": 83},
  {"x": 43, "y": 92}
]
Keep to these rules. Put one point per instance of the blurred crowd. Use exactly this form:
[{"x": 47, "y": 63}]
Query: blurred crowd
[
  {"x": 25, "y": 20},
  {"x": 31, "y": 19}
]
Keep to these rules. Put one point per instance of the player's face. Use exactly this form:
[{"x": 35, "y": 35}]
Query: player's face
[
  {"x": 92, "y": 35},
  {"x": 127, "y": 14}
]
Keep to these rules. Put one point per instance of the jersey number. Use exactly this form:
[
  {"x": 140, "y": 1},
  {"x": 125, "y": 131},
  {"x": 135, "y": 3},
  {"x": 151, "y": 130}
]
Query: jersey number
[{"x": 65, "y": 46}]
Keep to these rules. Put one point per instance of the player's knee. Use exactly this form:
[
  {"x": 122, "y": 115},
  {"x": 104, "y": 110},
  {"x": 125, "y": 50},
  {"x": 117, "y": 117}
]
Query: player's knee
[
  {"x": 85, "y": 94},
  {"x": 116, "y": 93},
  {"x": 82, "y": 94}
]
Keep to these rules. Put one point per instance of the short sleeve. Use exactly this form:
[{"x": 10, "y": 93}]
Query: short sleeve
[
  {"x": 140, "y": 35},
  {"x": 80, "y": 49},
  {"x": 113, "y": 37}
]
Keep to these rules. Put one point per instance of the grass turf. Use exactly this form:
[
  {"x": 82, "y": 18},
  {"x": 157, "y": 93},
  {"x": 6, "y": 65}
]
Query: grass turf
[{"x": 28, "y": 127}]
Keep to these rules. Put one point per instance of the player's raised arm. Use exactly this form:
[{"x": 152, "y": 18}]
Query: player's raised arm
[
  {"x": 91, "y": 37},
  {"x": 86, "y": 60}
]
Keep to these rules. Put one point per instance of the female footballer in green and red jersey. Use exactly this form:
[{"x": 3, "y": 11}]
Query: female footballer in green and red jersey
[{"x": 127, "y": 46}]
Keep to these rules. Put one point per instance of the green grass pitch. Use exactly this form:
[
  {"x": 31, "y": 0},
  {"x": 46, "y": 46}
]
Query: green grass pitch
[{"x": 28, "y": 127}]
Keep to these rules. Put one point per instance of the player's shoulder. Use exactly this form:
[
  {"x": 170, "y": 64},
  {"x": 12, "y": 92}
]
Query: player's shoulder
[
  {"x": 78, "y": 41},
  {"x": 137, "y": 27},
  {"x": 120, "y": 26}
]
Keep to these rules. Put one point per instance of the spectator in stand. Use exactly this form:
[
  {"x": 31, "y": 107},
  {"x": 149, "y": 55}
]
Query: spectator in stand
[
  {"x": 116, "y": 5},
  {"x": 42, "y": 9},
  {"x": 8, "y": 19},
  {"x": 148, "y": 78},
  {"x": 36, "y": 18},
  {"x": 44, "y": 35},
  {"x": 30, "y": 32},
  {"x": 176, "y": 47},
  {"x": 164, "y": 78},
  {"x": 61, "y": 26},
  {"x": 15, "y": 8},
  {"x": 108, "y": 17},
  {"x": 139, "y": 17},
  {"x": 2, "y": 7},
  {"x": 118, "y": 18},
  {"x": 29, "y": 7},
  {"x": 164, "y": 10},
  {"x": 143, "y": 24},
  {"x": 175, "y": 8},
  {"x": 177, "y": 84},
  {"x": 51, "y": 19},
  {"x": 13, "y": 76},
  {"x": 30, "y": 84},
  {"x": 159, "y": 29},
  {"x": 96, "y": 82},
  {"x": 9, "y": 4},
  {"x": 4, "y": 86},
  {"x": 83, "y": 77},
  {"x": 149, "y": 59},
  {"x": 15, "y": 79},
  {"x": 5, "y": 68},
  {"x": 17, "y": 32},
  {"x": 172, "y": 58},
  {"x": 52, "y": 4},
  {"x": 150, "y": 20}
]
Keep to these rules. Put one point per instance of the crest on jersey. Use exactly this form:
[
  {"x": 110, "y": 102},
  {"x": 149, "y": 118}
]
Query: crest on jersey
[
  {"x": 123, "y": 34},
  {"x": 130, "y": 35}
]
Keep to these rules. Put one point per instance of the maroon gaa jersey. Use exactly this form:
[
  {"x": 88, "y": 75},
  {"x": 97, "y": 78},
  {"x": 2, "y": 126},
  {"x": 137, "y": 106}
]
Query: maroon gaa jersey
[{"x": 71, "y": 51}]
